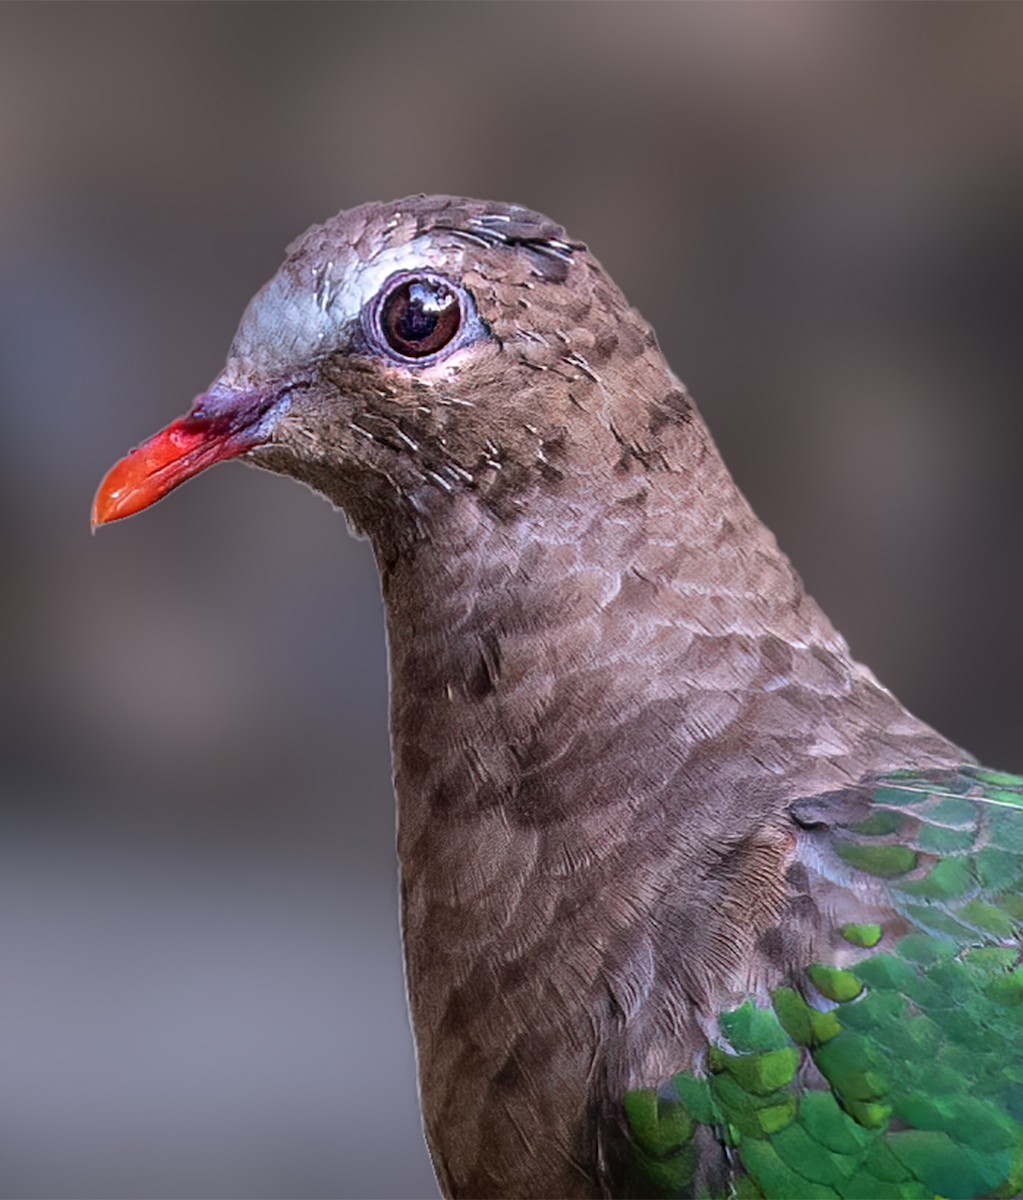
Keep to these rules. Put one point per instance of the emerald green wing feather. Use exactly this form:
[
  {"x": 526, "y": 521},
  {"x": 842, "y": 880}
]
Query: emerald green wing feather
[{"x": 893, "y": 1066}]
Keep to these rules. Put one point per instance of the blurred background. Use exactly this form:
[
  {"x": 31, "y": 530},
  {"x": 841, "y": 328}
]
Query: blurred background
[{"x": 819, "y": 209}]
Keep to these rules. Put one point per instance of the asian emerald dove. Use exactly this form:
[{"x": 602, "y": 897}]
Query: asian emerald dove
[{"x": 691, "y": 904}]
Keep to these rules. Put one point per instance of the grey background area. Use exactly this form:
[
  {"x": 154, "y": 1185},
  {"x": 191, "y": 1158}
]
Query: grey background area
[{"x": 818, "y": 207}]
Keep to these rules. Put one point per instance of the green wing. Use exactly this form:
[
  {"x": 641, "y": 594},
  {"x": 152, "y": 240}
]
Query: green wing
[{"x": 894, "y": 1068}]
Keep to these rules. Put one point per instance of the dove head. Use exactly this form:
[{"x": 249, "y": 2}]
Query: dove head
[{"x": 408, "y": 353}]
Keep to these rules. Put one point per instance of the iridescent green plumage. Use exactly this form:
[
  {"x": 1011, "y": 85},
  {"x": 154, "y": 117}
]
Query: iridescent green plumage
[{"x": 893, "y": 1069}]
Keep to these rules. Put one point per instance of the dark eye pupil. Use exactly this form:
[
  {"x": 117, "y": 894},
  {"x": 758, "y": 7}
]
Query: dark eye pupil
[{"x": 420, "y": 316}]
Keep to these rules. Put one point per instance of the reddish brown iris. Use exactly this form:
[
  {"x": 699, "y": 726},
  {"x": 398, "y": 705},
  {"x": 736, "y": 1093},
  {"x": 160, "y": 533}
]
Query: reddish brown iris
[{"x": 420, "y": 316}]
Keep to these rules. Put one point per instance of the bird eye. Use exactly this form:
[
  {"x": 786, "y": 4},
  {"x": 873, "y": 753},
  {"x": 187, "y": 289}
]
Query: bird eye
[{"x": 419, "y": 316}]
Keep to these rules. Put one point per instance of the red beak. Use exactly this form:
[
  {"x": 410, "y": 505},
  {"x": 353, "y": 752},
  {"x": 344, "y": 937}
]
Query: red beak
[{"x": 220, "y": 425}]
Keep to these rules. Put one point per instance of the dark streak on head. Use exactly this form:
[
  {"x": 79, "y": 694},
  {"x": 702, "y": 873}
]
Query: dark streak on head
[{"x": 516, "y": 228}]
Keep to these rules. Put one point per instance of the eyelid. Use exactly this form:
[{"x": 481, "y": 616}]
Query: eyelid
[{"x": 470, "y": 330}]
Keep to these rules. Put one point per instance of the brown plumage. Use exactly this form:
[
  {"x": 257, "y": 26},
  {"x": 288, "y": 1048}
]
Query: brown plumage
[{"x": 608, "y": 684}]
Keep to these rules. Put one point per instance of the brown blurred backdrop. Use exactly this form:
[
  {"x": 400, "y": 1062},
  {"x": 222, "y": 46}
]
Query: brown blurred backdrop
[{"x": 818, "y": 208}]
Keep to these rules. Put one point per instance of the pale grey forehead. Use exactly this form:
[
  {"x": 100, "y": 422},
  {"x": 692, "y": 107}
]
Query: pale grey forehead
[{"x": 304, "y": 310}]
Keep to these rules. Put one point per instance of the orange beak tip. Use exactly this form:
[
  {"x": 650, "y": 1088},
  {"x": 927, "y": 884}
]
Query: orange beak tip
[
  {"x": 219, "y": 427},
  {"x": 159, "y": 465}
]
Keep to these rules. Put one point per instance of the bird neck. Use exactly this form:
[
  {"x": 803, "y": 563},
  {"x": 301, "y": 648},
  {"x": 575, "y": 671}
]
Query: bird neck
[
  {"x": 584, "y": 695},
  {"x": 625, "y": 561},
  {"x": 640, "y": 594}
]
